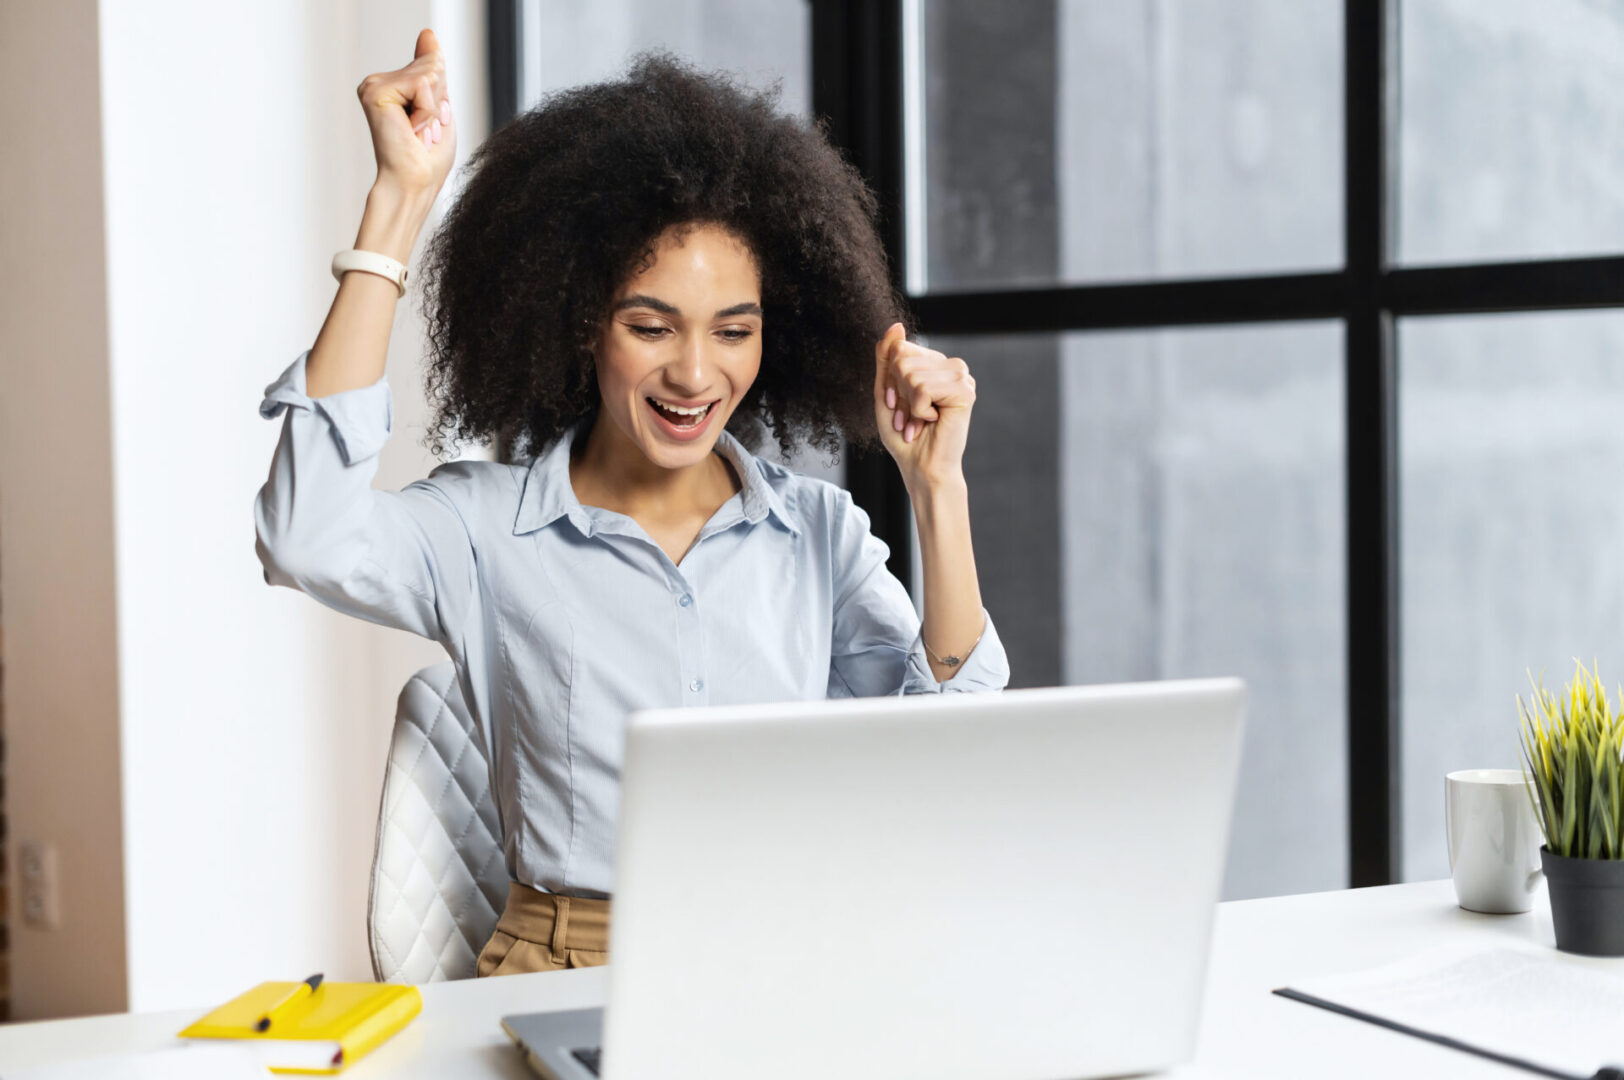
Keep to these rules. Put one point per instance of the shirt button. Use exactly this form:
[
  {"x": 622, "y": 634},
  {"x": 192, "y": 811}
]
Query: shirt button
[
  {"x": 697, "y": 685},
  {"x": 685, "y": 600}
]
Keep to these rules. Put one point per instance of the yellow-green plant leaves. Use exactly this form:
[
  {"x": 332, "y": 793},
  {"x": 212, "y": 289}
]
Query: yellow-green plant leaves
[{"x": 1573, "y": 762}]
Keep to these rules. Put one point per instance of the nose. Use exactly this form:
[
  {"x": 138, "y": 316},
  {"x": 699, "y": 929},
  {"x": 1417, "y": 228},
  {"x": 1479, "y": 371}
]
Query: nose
[{"x": 689, "y": 371}]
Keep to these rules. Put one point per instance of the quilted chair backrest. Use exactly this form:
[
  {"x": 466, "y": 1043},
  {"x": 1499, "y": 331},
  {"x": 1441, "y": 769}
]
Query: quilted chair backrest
[{"x": 439, "y": 878}]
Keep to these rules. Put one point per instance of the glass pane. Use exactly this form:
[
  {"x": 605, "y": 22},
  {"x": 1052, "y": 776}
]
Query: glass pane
[
  {"x": 568, "y": 42},
  {"x": 1511, "y": 449},
  {"x": 1512, "y": 129},
  {"x": 1079, "y": 141},
  {"x": 1170, "y": 504}
]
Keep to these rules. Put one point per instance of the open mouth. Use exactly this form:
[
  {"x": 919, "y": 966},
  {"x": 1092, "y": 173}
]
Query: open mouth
[{"x": 679, "y": 416}]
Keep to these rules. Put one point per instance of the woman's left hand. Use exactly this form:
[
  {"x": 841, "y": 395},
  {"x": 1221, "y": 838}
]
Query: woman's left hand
[{"x": 922, "y": 402}]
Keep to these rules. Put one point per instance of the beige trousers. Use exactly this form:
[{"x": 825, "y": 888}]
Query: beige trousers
[{"x": 541, "y": 931}]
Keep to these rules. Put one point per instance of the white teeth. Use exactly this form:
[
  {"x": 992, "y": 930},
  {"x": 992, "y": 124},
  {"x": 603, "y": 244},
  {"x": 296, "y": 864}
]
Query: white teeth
[{"x": 679, "y": 410}]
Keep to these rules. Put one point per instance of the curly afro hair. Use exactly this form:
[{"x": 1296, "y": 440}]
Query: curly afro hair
[{"x": 567, "y": 201}]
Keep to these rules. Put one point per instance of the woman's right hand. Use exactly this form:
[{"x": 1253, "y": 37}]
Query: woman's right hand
[{"x": 413, "y": 135}]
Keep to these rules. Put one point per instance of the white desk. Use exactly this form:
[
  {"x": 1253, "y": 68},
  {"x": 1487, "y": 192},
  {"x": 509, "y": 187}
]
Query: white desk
[{"x": 1247, "y": 1032}]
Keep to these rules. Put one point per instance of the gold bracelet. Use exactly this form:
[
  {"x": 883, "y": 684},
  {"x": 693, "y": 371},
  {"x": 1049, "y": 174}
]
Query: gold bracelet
[{"x": 951, "y": 660}]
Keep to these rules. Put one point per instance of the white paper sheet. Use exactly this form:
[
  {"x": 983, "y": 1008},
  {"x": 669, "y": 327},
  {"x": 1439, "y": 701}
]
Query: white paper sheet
[
  {"x": 1552, "y": 1008},
  {"x": 203, "y": 1062}
]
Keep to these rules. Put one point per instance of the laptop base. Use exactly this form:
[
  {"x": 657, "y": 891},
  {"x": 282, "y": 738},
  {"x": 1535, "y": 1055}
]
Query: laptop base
[{"x": 548, "y": 1040}]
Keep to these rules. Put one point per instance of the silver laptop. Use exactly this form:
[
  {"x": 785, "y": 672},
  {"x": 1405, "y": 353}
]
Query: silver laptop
[{"x": 965, "y": 885}]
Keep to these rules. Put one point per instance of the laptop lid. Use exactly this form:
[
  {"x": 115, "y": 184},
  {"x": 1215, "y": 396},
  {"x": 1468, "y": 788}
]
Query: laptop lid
[{"x": 1014, "y": 884}]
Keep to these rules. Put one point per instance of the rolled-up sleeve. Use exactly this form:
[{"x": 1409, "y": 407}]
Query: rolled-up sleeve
[
  {"x": 399, "y": 558},
  {"x": 878, "y": 648}
]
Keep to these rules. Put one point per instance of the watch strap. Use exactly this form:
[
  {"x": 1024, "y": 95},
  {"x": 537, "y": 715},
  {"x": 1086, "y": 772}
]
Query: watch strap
[{"x": 370, "y": 262}]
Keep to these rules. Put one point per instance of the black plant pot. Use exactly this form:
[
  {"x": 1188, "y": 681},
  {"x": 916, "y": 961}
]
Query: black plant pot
[{"x": 1587, "y": 903}]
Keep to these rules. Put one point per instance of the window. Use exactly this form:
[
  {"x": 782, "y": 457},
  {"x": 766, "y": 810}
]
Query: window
[
  {"x": 1511, "y": 129},
  {"x": 1079, "y": 141},
  {"x": 1511, "y": 449},
  {"x": 1206, "y": 257},
  {"x": 563, "y": 43}
]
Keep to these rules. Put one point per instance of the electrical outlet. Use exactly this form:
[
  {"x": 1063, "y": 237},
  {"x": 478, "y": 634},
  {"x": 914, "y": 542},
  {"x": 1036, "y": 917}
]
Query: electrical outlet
[{"x": 37, "y": 876}]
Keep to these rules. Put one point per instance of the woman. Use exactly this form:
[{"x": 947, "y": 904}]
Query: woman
[{"x": 639, "y": 279}]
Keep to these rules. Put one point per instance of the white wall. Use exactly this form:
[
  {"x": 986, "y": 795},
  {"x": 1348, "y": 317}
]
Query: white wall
[
  {"x": 251, "y": 723},
  {"x": 56, "y": 509}
]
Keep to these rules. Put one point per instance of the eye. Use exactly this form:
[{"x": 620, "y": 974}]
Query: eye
[
  {"x": 650, "y": 332},
  {"x": 736, "y": 335}
]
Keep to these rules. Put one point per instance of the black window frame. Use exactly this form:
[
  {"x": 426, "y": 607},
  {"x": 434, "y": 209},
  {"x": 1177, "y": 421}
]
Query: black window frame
[{"x": 857, "y": 88}]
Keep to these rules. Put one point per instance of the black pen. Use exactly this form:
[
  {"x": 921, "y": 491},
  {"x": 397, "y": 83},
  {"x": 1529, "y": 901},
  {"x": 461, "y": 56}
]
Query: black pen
[{"x": 296, "y": 995}]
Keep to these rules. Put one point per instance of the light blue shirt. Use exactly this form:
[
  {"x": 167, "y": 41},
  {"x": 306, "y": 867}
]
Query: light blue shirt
[{"x": 563, "y": 618}]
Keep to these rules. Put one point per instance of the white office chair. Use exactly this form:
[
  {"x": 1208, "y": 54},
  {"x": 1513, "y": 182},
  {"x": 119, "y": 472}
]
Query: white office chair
[{"x": 439, "y": 878}]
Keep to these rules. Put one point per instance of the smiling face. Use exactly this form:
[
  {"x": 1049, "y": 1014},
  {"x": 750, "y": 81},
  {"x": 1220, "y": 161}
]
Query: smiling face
[{"x": 682, "y": 345}]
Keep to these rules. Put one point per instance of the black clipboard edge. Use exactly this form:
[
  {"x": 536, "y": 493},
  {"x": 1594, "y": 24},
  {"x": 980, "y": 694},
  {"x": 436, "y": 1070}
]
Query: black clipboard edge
[{"x": 1444, "y": 1040}]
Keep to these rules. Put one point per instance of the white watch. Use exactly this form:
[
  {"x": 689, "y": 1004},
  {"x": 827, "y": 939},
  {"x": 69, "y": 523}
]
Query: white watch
[{"x": 370, "y": 262}]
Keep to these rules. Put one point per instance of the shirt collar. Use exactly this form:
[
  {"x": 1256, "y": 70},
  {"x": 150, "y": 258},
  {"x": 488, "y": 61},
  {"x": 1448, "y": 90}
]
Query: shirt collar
[{"x": 548, "y": 494}]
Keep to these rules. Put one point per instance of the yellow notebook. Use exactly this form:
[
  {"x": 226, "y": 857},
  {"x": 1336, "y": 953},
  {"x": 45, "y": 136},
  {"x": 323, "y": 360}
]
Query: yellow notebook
[{"x": 338, "y": 1024}]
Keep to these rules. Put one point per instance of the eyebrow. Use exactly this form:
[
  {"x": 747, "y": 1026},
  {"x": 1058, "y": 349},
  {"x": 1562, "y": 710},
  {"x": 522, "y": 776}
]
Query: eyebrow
[{"x": 749, "y": 307}]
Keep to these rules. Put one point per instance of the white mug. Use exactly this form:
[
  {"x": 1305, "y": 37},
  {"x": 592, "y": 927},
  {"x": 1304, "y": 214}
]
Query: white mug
[{"x": 1494, "y": 840}]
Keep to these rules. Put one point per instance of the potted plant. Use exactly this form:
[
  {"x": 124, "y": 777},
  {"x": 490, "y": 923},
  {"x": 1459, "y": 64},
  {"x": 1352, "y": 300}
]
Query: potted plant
[{"x": 1573, "y": 761}]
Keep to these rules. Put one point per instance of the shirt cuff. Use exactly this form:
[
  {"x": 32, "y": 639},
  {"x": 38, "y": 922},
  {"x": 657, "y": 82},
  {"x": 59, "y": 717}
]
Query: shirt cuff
[
  {"x": 360, "y": 419},
  {"x": 986, "y": 668}
]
